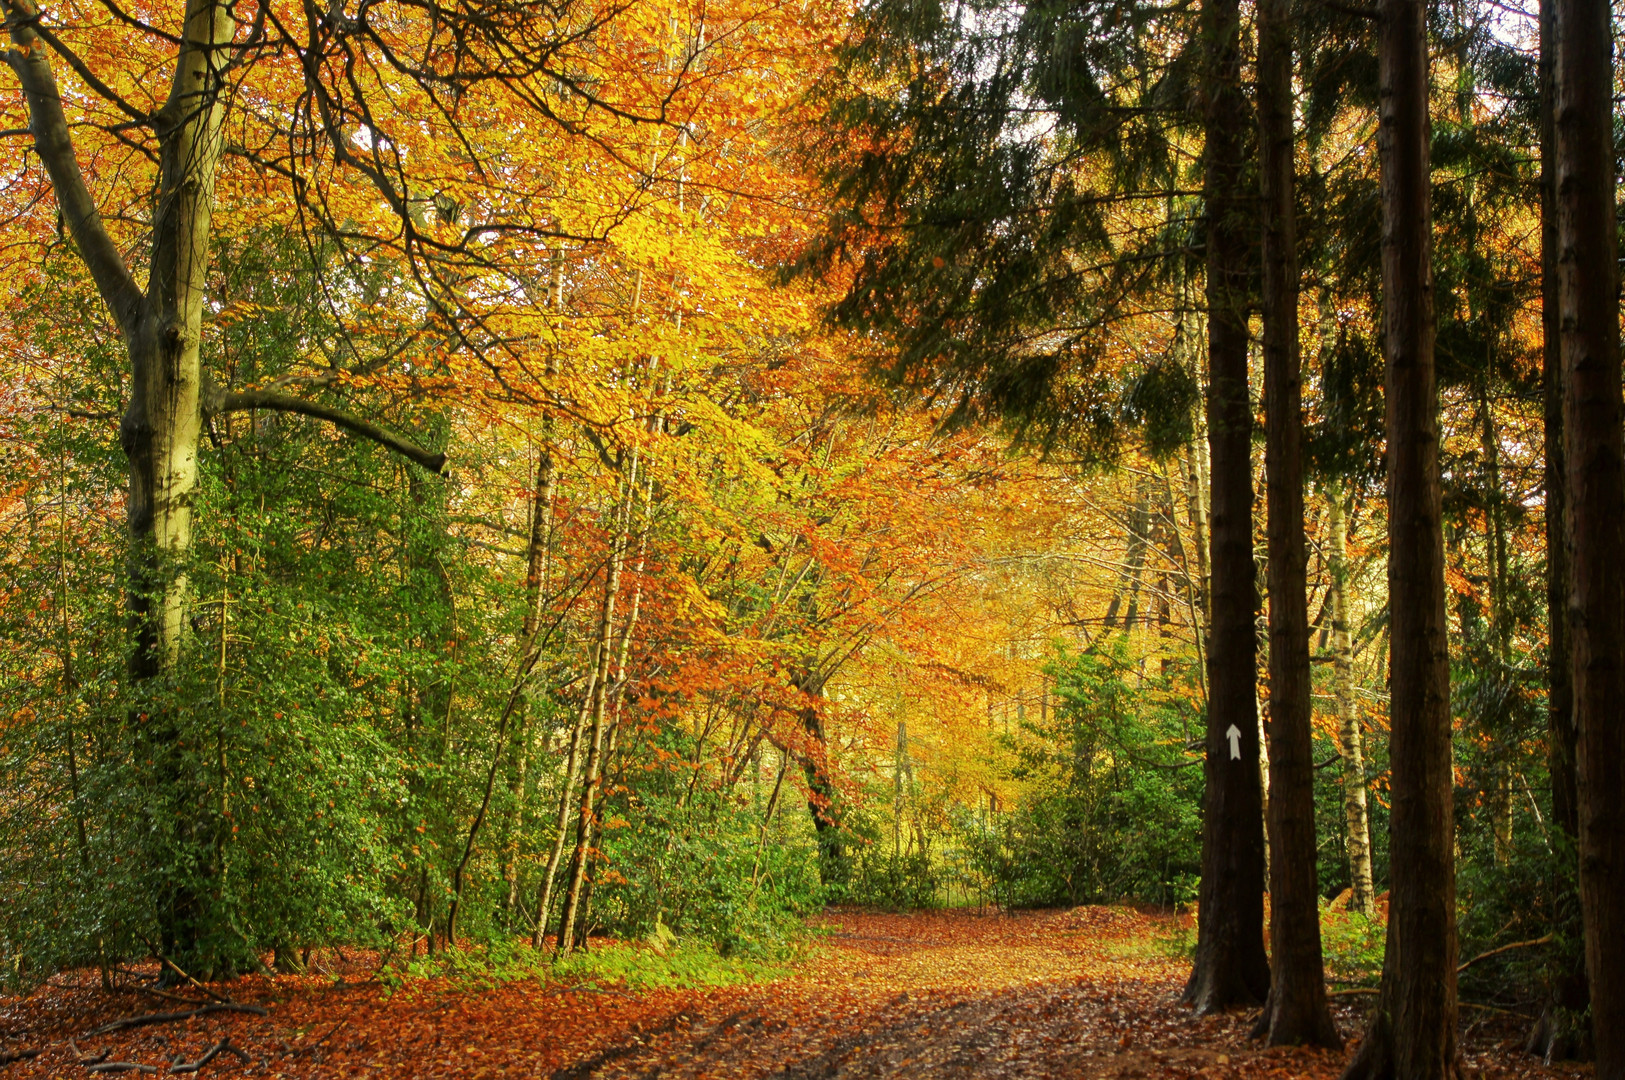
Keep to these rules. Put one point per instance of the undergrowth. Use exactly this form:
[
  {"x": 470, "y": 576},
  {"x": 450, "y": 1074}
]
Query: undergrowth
[{"x": 1352, "y": 945}]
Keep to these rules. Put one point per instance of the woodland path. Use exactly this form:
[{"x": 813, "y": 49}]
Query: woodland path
[{"x": 1081, "y": 993}]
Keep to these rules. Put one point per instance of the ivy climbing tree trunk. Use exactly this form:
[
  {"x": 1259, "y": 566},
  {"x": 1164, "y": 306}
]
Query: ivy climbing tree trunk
[
  {"x": 1297, "y": 1011},
  {"x": 1412, "y": 1031},
  {"x": 822, "y": 797},
  {"x": 1230, "y": 967},
  {"x": 162, "y": 330}
]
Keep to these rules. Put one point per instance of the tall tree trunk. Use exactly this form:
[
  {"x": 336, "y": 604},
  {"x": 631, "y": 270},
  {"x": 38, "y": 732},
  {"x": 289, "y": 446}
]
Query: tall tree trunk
[
  {"x": 433, "y": 623},
  {"x": 1559, "y": 672},
  {"x": 900, "y": 768},
  {"x": 823, "y": 800},
  {"x": 617, "y": 687},
  {"x": 1588, "y": 297},
  {"x": 592, "y": 772},
  {"x": 572, "y": 767},
  {"x": 525, "y": 662},
  {"x": 1560, "y": 1032},
  {"x": 1230, "y": 968},
  {"x": 1412, "y": 1032},
  {"x": 1297, "y": 1011},
  {"x": 1495, "y": 549},
  {"x": 538, "y": 573},
  {"x": 1356, "y": 818},
  {"x": 1139, "y": 524},
  {"x": 160, "y": 434},
  {"x": 162, "y": 424}
]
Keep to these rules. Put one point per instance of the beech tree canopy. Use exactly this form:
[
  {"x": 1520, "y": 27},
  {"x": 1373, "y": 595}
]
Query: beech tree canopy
[{"x": 486, "y": 481}]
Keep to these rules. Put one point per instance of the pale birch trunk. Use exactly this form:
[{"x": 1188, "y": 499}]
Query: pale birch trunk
[{"x": 1356, "y": 819}]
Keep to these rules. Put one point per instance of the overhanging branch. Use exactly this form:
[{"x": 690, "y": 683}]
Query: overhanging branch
[{"x": 243, "y": 400}]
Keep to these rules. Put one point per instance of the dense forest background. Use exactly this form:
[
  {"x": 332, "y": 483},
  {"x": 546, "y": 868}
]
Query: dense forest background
[{"x": 660, "y": 469}]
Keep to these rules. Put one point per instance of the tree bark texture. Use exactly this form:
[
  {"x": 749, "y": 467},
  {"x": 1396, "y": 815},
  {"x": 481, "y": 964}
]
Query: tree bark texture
[
  {"x": 1412, "y": 1032},
  {"x": 1588, "y": 304},
  {"x": 1297, "y": 1012},
  {"x": 162, "y": 424},
  {"x": 1230, "y": 968},
  {"x": 1559, "y": 1033}
]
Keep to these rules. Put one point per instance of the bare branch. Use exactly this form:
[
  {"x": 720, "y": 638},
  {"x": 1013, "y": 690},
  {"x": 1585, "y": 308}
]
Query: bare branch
[
  {"x": 1543, "y": 940},
  {"x": 277, "y": 402},
  {"x": 1359, "y": 11}
]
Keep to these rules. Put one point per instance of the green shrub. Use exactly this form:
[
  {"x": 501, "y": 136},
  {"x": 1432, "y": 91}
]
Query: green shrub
[{"x": 1352, "y": 946}]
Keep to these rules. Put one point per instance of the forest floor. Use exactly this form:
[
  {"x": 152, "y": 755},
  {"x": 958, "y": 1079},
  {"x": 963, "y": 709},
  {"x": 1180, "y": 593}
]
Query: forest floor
[{"x": 1089, "y": 992}]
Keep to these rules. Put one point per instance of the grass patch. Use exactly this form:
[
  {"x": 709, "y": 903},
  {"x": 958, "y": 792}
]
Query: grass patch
[
  {"x": 641, "y": 966},
  {"x": 1177, "y": 939},
  {"x": 1140, "y": 948},
  {"x": 663, "y": 961}
]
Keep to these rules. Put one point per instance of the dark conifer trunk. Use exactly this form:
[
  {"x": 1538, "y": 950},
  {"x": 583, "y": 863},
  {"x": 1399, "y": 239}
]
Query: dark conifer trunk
[
  {"x": 1230, "y": 968},
  {"x": 1412, "y": 1032},
  {"x": 1557, "y": 1033},
  {"x": 1296, "y": 1012},
  {"x": 1588, "y": 298}
]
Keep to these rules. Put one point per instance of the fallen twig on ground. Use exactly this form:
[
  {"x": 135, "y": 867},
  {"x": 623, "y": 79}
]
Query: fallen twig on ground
[
  {"x": 592, "y": 990},
  {"x": 172, "y": 966},
  {"x": 121, "y": 1066},
  {"x": 223, "y": 1046},
  {"x": 318, "y": 1042},
  {"x": 170, "y": 1017},
  {"x": 165, "y": 994}
]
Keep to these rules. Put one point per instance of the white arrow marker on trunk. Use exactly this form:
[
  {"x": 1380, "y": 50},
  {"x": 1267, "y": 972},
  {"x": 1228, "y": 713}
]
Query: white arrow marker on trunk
[{"x": 1234, "y": 735}]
